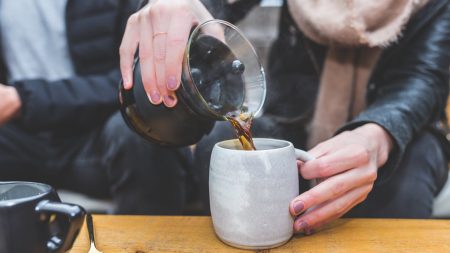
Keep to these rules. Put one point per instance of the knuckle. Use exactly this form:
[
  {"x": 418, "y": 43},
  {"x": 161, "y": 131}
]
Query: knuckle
[
  {"x": 153, "y": 11},
  {"x": 364, "y": 155},
  {"x": 158, "y": 9},
  {"x": 142, "y": 15},
  {"x": 372, "y": 175},
  {"x": 368, "y": 190},
  {"x": 341, "y": 207},
  {"x": 324, "y": 169},
  {"x": 133, "y": 19},
  {"x": 144, "y": 53},
  {"x": 361, "y": 199},
  {"x": 338, "y": 189}
]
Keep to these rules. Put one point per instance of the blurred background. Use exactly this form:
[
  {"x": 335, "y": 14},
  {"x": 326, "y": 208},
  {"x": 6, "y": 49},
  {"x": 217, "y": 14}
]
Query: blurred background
[{"x": 260, "y": 26}]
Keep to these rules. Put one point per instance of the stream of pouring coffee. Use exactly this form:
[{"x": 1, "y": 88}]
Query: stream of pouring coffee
[{"x": 242, "y": 123}]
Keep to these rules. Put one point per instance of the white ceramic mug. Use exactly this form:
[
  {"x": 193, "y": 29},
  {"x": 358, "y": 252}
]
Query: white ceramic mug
[{"x": 250, "y": 192}]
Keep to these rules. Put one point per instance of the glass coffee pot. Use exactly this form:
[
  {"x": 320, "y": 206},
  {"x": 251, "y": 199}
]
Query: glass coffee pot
[{"x": 221, "y": 74}]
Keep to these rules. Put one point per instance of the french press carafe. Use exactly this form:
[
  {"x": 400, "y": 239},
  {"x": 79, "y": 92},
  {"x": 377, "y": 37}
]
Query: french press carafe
[{"x": 221, "y": 74}]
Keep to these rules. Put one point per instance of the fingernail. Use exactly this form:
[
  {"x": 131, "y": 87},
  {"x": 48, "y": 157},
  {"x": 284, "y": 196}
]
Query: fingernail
[
  {"x": 298, "y": 207},
  {"x": 172, "y": 83},
  {"x": 169, "y": 100},
  {"x": 155, "y": 97},
  {"x": 302, "y": 226}
]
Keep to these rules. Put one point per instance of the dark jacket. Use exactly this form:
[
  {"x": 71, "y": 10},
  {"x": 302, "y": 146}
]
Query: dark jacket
[
  {"x": 407, "y": 92},
  {"x": 94, "y": 30}
]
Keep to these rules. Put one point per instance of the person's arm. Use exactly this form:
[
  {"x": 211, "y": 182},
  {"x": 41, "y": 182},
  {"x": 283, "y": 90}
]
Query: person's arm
[
  {"x": 76, "y": 103},
  {"x": 413, "y": 95}
]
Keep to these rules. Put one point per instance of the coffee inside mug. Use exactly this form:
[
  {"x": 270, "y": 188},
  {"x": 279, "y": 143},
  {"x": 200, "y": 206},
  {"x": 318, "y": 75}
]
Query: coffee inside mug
[
  {"x": 261, "y": 144},
  {"x": 18, "y": 192}
]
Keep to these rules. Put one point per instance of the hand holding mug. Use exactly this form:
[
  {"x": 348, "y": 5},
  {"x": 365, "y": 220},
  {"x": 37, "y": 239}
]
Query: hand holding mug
[
  {"x": 161, "y": 30},
  {"x": 346, "y": 166}
]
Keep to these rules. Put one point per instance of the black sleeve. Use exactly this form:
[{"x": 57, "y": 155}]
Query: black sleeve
[
  {"x": 220, "y": 9},
  {"x": 77, "y": 103},
  {"x": 413, "y": 92},
  {"x": 80, "y": 102}
]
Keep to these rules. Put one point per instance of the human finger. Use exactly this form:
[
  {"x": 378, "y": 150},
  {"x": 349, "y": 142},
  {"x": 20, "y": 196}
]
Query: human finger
[
  {"x": 146, "y": 58},
  {"x": 336, "y": 161},
  {"x": 177, "y": 37},
  {"x": 127, "y": 50},
  {"x": 160, "y": 17},
  {"x": 334, "y": 208},
  {"x": 332, "y": 188}
]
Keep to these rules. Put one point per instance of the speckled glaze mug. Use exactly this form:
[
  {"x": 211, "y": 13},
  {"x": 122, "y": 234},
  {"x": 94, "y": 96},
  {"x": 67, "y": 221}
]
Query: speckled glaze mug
[{"x": 250, "y": 192}]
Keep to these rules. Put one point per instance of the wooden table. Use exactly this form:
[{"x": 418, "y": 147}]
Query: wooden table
[{"x": 138, "y": 234}]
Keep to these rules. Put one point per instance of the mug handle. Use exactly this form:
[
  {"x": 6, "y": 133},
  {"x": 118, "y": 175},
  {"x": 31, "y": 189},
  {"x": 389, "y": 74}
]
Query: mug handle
[
  {"x": 303, "y": 155},
  {"x": 72, "y": 217}
]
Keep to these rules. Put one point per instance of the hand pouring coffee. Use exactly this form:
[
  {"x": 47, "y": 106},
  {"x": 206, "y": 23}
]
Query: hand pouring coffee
[{"x": 222, "y": 79}]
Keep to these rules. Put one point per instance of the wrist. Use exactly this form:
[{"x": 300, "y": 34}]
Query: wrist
[{"x": 382, "y": 140}]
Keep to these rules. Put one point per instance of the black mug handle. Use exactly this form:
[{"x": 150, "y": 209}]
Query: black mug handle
[{"x": 70, "y": 218}]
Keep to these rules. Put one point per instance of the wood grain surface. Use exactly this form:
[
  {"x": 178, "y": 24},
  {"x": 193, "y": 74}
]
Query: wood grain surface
[{"x": 138, "y": 234}]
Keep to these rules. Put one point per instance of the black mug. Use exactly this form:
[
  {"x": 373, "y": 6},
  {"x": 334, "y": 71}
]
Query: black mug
[{"x": 33, "y": 219}]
